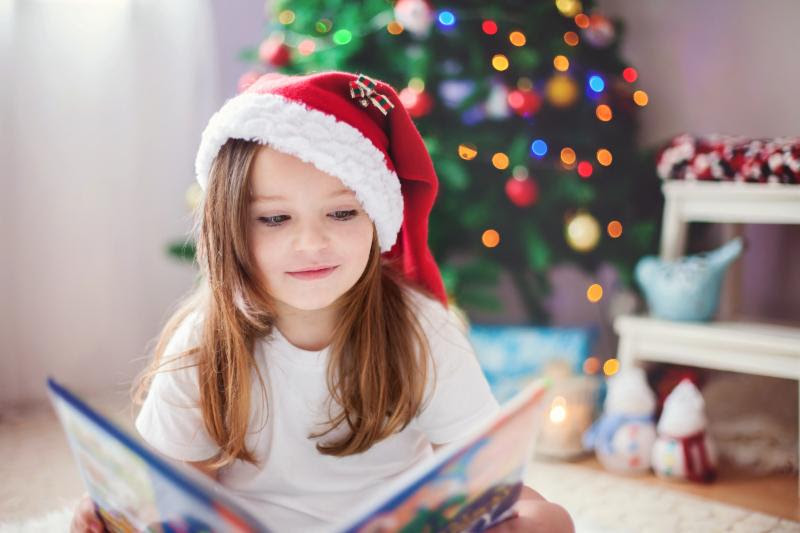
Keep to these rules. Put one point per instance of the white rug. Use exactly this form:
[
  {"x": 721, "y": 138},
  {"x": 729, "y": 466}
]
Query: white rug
[{"x": 604, "y": 503}]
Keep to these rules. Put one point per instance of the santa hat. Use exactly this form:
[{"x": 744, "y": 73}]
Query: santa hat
[{"x": 353, "y": 128}]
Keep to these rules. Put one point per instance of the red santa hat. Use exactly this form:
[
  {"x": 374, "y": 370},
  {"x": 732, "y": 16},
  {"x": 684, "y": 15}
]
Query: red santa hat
[{"x": 353, "y": 128}]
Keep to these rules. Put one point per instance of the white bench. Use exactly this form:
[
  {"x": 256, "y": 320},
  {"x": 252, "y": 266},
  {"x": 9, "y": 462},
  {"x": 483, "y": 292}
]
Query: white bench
[{"x": 748, "y": 347}]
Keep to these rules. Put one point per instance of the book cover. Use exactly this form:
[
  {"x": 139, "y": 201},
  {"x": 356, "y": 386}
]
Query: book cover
[{"x": 465, "y": 486}]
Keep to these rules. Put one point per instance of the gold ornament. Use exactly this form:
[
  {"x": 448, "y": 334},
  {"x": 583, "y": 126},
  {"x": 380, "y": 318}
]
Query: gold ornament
[
  {"x": 561, "y": 90},
  {"x": 582, "y": 232}
]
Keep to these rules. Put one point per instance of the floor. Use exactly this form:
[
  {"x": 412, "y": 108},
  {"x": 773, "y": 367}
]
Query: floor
[{"x": 600, "y": 502}]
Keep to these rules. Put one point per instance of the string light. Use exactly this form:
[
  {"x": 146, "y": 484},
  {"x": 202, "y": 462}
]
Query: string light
[
  {"x": 594, "y": 293},
  {"x": 517, "y": 38},
  {"x": 585, "y": 169},
  {"x": 569, "y": 8},
  {"x": 342, "y": 36},
  {"x": 500, "y": 161},
  {"x": 571, "y": 38},
  {"x": 604, "y": 113},
  {"x": 561, "y": 63},
  {"x": 286, "y": 17},
  {"x": 500, "y": 62},
  {"x": 567, "y": 156},
  {"x": 323, "y": 25},
  {"x": 582, "y": 21},
  {"x": 394, "y": 27},
  {"x": 611, "y": 367},
  {"x": 641, "y": 98},
  {"x": 489, "y": 27},
  {"x": 630, "y": 75},
  {"x": 591, "y": 365},
  {"x": 446, "y": 18},
  {"x": 538, "y": 148},
  {"x": 614, "y": 229},
  {"x": 467, "y": 151},
  {"x": 596, "y": 83},
  {"x": 306, "y": 47},
  {"x": 604, "y": 157},
  {"x": 490, "y": 238}
]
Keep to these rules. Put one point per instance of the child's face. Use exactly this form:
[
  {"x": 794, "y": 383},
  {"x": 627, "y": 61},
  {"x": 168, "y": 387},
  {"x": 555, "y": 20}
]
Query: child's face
[{"x": 303, "y": 219}]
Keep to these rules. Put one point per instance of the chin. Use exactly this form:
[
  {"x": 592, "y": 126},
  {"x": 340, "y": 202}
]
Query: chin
[{"x": 311, "y": 300}]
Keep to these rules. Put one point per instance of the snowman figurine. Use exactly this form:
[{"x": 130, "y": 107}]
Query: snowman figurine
[
  {"x": 683, "y": 450},
  {"x": 624, "y": 434}
]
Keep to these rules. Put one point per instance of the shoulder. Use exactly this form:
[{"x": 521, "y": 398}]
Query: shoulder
[
  {"x": 434, "y": 318},
  {"x": 178, "y": 351}
]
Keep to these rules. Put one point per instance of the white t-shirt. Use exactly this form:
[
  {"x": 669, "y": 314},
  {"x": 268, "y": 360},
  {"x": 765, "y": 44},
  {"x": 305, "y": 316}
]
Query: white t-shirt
[{"x": 297, "y": 488}]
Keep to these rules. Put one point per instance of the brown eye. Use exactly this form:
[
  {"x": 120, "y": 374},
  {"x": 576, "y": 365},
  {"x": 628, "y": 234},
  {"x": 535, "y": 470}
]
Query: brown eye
[
  {"x": 276, "y": 220},
  {"x": 344, "y": 215}
]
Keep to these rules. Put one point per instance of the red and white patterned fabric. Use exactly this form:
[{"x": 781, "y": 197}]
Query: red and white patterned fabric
[{"x": 728, "y": 158}]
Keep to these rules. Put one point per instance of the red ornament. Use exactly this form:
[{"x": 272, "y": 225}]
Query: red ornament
[
  {"x": 522, "y": 192},
  {"x": 417, "y": 103},
  {"x": 524, "y": 102},
  {"x": 273, "y": 52}
]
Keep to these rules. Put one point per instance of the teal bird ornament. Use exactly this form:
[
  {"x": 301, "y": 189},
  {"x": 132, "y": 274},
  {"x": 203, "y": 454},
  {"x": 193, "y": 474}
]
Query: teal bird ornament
[{"x": 688, "y": 288}]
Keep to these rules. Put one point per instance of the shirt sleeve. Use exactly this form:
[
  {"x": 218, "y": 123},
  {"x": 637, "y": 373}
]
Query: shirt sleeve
[
  {"x": 457, "y": 397},
  {"x": 170, "y": 419}
]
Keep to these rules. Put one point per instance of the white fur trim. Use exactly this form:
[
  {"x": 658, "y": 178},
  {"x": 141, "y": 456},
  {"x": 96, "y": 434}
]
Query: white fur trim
[{"x": 315, "y": 137}]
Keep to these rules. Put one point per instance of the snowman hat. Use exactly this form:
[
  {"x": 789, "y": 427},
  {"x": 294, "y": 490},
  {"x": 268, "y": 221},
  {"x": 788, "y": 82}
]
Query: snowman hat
[{"x": 351, "y": 127}]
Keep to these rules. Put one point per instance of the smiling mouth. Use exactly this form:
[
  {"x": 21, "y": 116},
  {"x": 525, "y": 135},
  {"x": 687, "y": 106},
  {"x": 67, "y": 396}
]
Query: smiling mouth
[{"x": 313, "y": 274}]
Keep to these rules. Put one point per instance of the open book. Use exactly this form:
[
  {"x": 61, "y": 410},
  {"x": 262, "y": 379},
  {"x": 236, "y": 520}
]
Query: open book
[{"x": 465, "y": 486}]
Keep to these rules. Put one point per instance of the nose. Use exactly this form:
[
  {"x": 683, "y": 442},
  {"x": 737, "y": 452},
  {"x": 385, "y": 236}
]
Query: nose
[{"x": 311, "y": 236}]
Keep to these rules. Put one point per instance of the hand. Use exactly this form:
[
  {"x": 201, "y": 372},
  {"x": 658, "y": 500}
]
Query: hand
[
  {"x": 534, "y": 513},
  {"x": 85, "y": 519}
]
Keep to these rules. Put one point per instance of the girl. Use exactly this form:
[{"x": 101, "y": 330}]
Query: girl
[{"x": 316, "y": 359}]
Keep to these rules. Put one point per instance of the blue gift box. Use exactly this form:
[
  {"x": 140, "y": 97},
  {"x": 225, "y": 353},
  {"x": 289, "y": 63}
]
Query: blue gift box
[{"x": 511, "y": 356}]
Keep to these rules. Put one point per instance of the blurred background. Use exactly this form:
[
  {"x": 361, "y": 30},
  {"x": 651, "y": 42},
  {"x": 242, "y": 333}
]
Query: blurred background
[
  {"x": 552, "y": 124},
  {"x": 545, "y": 142}
]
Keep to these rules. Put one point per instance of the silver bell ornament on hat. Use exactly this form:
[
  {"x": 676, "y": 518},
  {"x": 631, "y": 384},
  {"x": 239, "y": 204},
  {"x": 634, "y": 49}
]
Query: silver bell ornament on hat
[
  {"x": 683, "y": 449},
  {"x": 624, "y": 434}
]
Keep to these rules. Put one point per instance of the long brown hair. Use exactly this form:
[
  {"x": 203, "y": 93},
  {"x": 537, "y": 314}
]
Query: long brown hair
[{"x": 379, "y": 355}]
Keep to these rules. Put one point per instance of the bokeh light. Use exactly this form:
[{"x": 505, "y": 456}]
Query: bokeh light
[
  {"x": 500, "y": 161},
  {"x": 500, "y": 62},
  {"x": 539, "y": 148},
  {"x": 306, "y": 47},
  {"x": 561, "y": 63},
  {"x": 490, "y": 238},
  {"x": 594, "y": 293},
  {"x": 604, "y": 113},
  {"x": 641, "y": 98},
  {"x": 567, "y": 156},
  {"x": 489, "y": 27},
  {"x": 630, "y": 74},
  {"x": 604, "y": 157},
  {"x": 571, "y": 38},
  {"x": 585, "y": 169},
  {"x": 614, "y": 229},
  {"x": 394, "y": 27},
  {"x": 517, "y": 38},
  {"x": 611, "y": 367}
]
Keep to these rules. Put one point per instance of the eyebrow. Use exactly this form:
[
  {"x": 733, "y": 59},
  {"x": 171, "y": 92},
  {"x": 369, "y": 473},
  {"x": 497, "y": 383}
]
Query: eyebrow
[{"x": 263, "y": 198}]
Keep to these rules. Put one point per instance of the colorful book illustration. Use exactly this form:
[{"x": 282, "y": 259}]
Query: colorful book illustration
[{"x": 469, "y": 485}]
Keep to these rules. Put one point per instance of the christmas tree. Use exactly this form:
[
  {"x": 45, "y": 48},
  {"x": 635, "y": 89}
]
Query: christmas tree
[{"x": 529, "y": 114}]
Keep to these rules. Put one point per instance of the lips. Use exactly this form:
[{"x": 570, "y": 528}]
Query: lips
[{"x": 313, "y": 273}]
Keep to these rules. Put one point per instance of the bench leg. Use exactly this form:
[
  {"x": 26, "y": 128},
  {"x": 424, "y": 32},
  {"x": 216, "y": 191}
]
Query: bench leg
[{"x": 673, "y": 232}]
